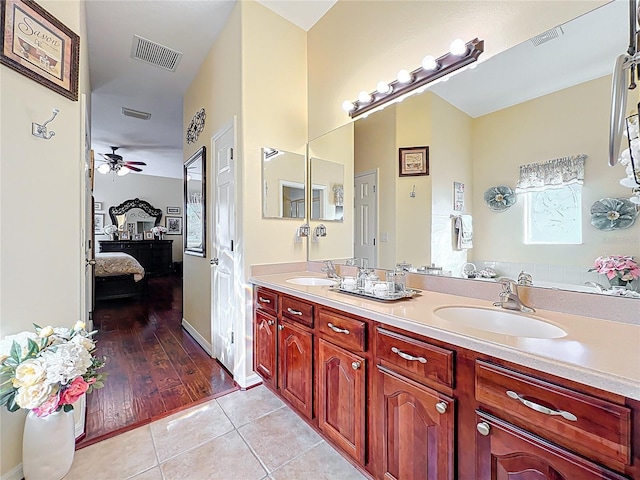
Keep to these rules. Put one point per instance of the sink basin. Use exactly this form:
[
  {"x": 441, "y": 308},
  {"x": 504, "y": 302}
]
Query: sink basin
[
  {"x": 500, "y": 321},
  {"x": 311, "y": 281}
]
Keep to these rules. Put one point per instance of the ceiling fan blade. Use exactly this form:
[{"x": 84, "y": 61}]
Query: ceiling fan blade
[
  {"x": 135, "y": 163},
  {"x": 135, "y": 169},
  {"x": 106, "y": 159}
]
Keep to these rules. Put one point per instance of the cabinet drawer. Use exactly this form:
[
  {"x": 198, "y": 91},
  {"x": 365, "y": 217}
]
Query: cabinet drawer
[
  {"x": 266, "y": 300},
  {"x": 342, "y": 330},
  {"x": 595, "y": 428},
  {"x": 298, "y": 311},
  {"x": 416, "y": 359}
]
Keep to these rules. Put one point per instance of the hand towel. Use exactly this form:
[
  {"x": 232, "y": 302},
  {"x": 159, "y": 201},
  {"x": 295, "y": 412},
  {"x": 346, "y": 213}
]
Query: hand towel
[{"x": 464, "y": 229}]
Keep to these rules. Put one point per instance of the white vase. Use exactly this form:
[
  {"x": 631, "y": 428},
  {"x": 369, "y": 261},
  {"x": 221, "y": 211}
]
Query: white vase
[{"x": 48, "y": 446}]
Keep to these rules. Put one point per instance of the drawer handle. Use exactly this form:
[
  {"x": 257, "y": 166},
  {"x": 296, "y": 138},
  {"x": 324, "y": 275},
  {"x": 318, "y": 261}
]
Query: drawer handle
[
  {"x": 541, "y": 408},
  {"x": 408, "y": 357},
  {"x": 337, "y": 329},
  {"x": 264, "y": 300},
  {"x": 294, "y": 312}
]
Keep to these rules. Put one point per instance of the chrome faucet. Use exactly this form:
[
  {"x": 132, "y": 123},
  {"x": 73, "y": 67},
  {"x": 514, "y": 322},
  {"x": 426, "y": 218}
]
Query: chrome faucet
[
  {"x": 525, "y": 279},
  {"x": 596, "y": 285},
  {"x": 331, "y": 270},
  {"x": 509, "y": 298}
]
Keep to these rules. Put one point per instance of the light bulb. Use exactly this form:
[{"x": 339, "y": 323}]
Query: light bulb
[
  {"x": 404, "y": 76},
  {"x": 364, "y": 97},
  {"x": 347, "y": 106},
  {"x": 458, "y": 47},
  {"x": 429, "y": 63},
  {"x": 383, "y": 87},
  {"x": 123, "y": 171},
  {"x": 104, "y": 168}
]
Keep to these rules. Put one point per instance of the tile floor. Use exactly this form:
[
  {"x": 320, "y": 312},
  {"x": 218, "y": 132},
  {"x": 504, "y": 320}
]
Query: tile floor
[{"x": 246, "y": 435}]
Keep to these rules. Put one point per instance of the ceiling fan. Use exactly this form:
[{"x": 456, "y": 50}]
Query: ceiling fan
[{"x": 115, "y": 163}]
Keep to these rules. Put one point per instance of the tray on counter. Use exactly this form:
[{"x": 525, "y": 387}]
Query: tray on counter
[{"x": 359, "y": 292}]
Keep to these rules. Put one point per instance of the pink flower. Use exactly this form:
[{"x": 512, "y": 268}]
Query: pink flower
[
  {"x": 74, "y": 391},
  {"x": 48, "y": 407}
]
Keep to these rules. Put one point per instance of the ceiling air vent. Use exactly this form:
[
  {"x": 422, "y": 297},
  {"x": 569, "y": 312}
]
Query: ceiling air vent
[
  {"x": 128, "y": 112},
  {"x": 547, "y": 36},
  {"x": 155, "y": 54}
]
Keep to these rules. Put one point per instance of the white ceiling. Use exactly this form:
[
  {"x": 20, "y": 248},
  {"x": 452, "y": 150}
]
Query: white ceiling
[{"x": 118, "y": 80}]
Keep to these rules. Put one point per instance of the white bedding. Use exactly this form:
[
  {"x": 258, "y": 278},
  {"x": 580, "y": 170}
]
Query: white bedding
[{"x": 110, "y": 264}]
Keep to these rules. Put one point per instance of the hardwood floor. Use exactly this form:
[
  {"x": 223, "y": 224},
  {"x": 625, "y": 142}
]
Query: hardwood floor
[{"x": 155, "y": 367}]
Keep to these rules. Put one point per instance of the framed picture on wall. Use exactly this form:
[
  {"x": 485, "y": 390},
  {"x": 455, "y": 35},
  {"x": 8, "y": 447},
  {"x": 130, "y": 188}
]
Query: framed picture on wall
[
  {"x": 174, "y": 211},
  {"x": 174, "y": 225},
  {"x": 98, "y": 223},
  {"x": 97, "y": 206},
  {"x": 39, "y": 46},
  {"x": 414, "y": 161}
]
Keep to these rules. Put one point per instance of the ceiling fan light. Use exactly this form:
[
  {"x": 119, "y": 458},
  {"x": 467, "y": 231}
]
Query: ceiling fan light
[
  {"x": 104, "y": 168},
  {"x": 123, "y": 171}
]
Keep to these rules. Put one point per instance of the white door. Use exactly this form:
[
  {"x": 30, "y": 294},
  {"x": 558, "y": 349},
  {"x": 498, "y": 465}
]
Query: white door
[
  {"x": 365, "y": 216},
  {"x": 222, "y": 262}
]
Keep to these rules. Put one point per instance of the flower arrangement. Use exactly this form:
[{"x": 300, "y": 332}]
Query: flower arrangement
[
  {"x": 159, "y": 230},
  {"x": 110, "y": 229},
  {"x": 619, "y": 269},
  {"x": 48, "y": 370}
]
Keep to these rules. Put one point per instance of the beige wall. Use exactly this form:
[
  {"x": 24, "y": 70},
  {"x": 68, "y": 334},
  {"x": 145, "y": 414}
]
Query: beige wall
[
  {"x": 575, "y": 121},
  {"x": 161, "y": 192},
  {"x": 217, "y": 88},
  {"x": 387, "y": 36},
  {"x": 41, "y": 264}
]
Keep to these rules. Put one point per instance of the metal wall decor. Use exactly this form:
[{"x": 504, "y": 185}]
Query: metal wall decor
[
  {"x": 613, "y": 214},
  {"x": 499, "y": 198},
  {"x": 196, "y": 126}
]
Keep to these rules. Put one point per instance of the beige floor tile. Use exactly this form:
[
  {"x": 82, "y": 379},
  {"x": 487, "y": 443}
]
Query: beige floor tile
[
  {"x": 243, "y": 407},
  {"x": 153, "y": 474},
  {"x": 119, "y": 457},
  {"x": 189, "y": 428},
  {"x": 226, "y": 457},
  {"x": 322, "y": 462},
  {"x": 278, "y": 437}
]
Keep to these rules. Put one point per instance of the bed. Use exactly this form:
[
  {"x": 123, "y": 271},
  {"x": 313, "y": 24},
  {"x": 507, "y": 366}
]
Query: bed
[{"x": 118, "y": 275}]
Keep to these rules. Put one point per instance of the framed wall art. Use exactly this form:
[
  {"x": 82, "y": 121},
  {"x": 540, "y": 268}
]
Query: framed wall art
[
  {"x": 174, "y": 211},
  {"x": 97, "y": 206},
  {"x": 174, "y": 225},
  {"x": 414, "y": 161},
  {"x": 98, "y": 223},
  {"x": 39, "y": 46}
]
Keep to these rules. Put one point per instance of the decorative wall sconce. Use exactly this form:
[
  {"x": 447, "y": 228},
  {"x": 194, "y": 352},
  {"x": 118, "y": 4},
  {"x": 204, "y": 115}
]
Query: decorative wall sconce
[
  {"x": 40, "y": 131},
  {"x": 460, "y": 55}
]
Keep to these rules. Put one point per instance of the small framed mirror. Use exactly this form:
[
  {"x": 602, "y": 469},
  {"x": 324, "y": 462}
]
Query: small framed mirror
[
  {"x": 195, "y": 204},
  {"x": 283, "y": 184},
  {"x": 327, "y": 190}
]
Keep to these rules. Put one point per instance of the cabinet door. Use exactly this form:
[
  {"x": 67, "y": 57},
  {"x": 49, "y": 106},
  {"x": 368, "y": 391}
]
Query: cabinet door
[
  {"x": 264, "y": 351},
  {"x": 341, "y": 398},
  {"x": 295, "y": 374},
  {"x": 507, "y": 452},
  {"x": 417, "y": 440}
]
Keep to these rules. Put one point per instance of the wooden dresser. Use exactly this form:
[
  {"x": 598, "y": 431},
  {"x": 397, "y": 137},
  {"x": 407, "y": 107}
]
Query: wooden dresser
[{"x": 155, "y": 256}]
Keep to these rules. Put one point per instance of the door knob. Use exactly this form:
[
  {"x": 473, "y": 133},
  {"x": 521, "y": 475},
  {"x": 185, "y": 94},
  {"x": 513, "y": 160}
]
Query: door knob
[
  {"x": 441, "y": 407},
  {"x": 89, "y": 262},
  {"x": 356, "y": 365},
  {"x": 483, "y": 428},
  {"x": 214, "y": 261}
]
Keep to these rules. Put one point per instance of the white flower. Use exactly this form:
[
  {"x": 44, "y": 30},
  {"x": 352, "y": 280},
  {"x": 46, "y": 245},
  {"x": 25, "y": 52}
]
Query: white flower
[
  {"x": 68, "y": 361},
  {"x": 29, "y": 372},
  {"x": 34, "y": 396},
  {"x": 21, "y": 338},
  {"x": 46, "y": 331},
  {"x": 110, "y": 229},
  {"x": 80, "y": 325},
  {"x": 84, "y": 342}
]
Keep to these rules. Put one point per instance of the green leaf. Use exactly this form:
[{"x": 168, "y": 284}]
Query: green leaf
[
  {"x": 34, "y": 348},
  {"x": 68, "y": 407},
  {"x": 98, "y": 384},
  {"x": 37, "y": 327},
  {"x": 16, "y": 351},
  {"x": 11, "y": 362},
  {"x": 12, "y": 406},
  {"x": 6, "y": 396}
]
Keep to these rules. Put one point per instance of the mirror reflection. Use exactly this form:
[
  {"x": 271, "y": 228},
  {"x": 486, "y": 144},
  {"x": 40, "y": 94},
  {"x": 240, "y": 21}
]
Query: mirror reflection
[
  {"x": 194, "y": 172},
  {"x": 283, "y": 184},
  {"x": 481, "y": 127},
  {"x": 135, "y": 216},
  {"x": 327, "y": 190}
]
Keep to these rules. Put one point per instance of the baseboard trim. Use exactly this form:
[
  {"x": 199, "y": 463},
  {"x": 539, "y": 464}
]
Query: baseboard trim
[
  {"x": 14, "y": 474},
  {"x": 197, "y": 337},
  {"x": 249, "y": 381}
]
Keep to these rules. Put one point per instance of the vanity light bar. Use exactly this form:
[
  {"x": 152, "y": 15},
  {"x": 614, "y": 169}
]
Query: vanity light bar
[{"x": 447, "y": 63}]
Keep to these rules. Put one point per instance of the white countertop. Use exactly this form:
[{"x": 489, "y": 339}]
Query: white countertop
[{"x": 600, "y": 353}]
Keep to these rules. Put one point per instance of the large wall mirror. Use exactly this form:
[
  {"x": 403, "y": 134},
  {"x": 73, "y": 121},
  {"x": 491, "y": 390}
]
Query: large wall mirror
[
  {"x": 195, "y": 204},
  {"x": 135, "y": 216},
  {"x": 545, "y": 99},
  {"x": 283, "y": 184}
]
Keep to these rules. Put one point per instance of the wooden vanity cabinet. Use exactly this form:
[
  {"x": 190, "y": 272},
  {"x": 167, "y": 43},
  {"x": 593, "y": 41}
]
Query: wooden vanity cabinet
[
  {"x": 265, "y": 346},
  {"x": 295, "y": 366}
]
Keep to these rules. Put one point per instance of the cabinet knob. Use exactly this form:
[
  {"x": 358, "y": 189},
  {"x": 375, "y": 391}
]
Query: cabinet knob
[
  {"x": 441, "y": 407},
  {"x": 280, "y": 327},
  {"x": 270, "y": 322},
  {"x": 483, "y": 428},
  {"x": 356, "y": 365}
]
